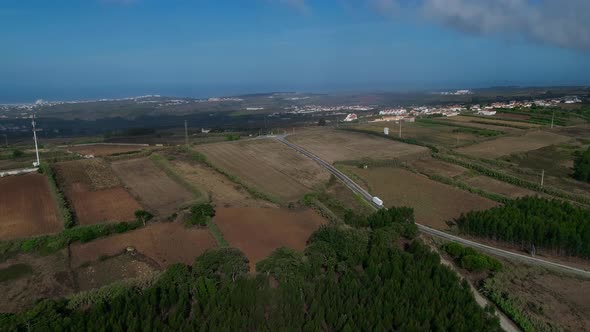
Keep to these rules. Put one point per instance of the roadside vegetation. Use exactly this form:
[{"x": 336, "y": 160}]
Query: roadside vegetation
[
  {"x": 401, "y": 287},
  {"x": 470, "y": 259},
  {"x": 63, "y": 206}
]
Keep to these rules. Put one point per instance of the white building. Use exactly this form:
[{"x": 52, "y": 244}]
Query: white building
[{"x": 350, "y": 117}]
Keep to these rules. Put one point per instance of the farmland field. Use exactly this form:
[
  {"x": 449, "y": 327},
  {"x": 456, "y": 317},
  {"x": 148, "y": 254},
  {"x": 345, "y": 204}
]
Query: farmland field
[
  {"x": 498, "y": 124},
  {"x": 152, "y": 186},
  {"x": 165, "y": 243},
  {"x": 507, "y": 145},
  {"x": 220, "y": 189},
  {"x": 94, "y": 191},
  {"x": 27, "y": 207},
  {"x": 434, "y": 166},
  {"x": 104, "y": 149},
  {"x": 434, "y": 203},
  {"x": 112, "y": 269},
  {"x": 258, "y": 232},
  {"x": 498, "y": 187},
  {"x": 334, "y": 145},
  {"x": 424, "y": 132},
  {"x": 267, "y": 165}
]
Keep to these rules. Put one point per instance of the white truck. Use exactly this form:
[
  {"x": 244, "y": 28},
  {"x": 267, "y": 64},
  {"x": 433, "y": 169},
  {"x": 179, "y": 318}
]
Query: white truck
[{"x": 378, "y": 201}]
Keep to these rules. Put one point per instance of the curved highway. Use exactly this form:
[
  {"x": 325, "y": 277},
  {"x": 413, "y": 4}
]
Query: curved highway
[{"x": 431, "y": 231}]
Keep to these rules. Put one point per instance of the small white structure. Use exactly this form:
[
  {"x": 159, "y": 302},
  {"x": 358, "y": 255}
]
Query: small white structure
[
  {"x": 350, "y": 117},
  {"x": 377, "y": 201},
  {"x": 205, "y": 131},
  {"x": 486, "y": 112},
  {"x": 386, "y": 131}
]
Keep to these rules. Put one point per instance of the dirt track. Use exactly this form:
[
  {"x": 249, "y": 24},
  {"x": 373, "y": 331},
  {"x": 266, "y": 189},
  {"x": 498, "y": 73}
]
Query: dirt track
[
  {"x": 27, "y": 207},
  {"x": 104, "y": 149}
]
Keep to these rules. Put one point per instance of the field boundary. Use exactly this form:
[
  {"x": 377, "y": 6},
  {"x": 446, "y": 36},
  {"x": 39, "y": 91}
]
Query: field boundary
[
  {"x": 217, "y": 233},
  {"x": 410, "y": 141},
  {"x": 256, "y": 193},
  {"x": 63, "y": 206},
  {"x": 163, "y": 164}
]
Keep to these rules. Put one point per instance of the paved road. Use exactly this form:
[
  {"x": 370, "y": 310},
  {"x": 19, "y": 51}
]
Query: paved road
[{"x": 431, "y": 231}]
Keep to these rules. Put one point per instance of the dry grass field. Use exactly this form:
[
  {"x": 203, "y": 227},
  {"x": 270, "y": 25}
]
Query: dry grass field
[
  {"x": 154, "y": 189},
  {"x": 513, "y": 144},
  {"x": 258, "y": 232},
  {"x": 267, "y": 165},
  {"x": 98, "y": 150},
  {"x": 435, "y": 166},
  {"x": 218, "y": 188},
  {"x": 498, "y": 187},
  {"x": 434, "y": 203},
  {"x": 336, "y": 145},
  {"x": 498, "y": 124},
  {"x": 95, "y": 192},
  {"x": 27, "y": 207},
  {"x": 165, "y": 243},
  {"x": 425, "y": 132},
  {"x": 112, "y": 269}
]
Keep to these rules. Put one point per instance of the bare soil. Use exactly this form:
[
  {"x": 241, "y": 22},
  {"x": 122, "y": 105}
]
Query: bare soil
[
  {"x": 165, "y": 243},
  {"x": 95, "y": 192},
  {"x": 152, "y": 186},
  {"x": 222, "y": 191},
  {"x": 267, "y": 165},
  {"x": 27, "y": 207},
  {"x": 258, "y": 232},
  {"x": 104, "y": 149},
  {"x": 434, "y": 203},
  {"x": 507, "y": 145},
  {"x": 335, "y": 145}
]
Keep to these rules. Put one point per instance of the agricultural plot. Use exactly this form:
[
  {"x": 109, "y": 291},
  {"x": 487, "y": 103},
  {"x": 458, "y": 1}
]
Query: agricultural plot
[
  {"x": 40, "y": 277},
  {"x": 268, "y": 166},
  {"x": 112, "y": 269},
  {"x": 99, "y": 150},
  {"x": 27, "y": 207},
  {"x": 258, "y": 232},
  {"x": 433, "y": 134},
  {"x": 164, "y": 243},
  {"x": 219, "y": 188},
  {"x": 498, "y": 124},
  {"x": 154, "y": 189},
  {"x": 434, "y": 203},
  {"x": 507, "y": 145},
  {"x": 94, "y": 192},
  {"x": 334, "y": 145},
  {"x": 434, "y": 166},
  {"x": 498, "y": 187}
]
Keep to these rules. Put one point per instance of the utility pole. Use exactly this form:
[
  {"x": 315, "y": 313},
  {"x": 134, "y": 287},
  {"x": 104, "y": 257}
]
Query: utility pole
[
  {"x": 552, "y": 118},
  {"x": 6, "y": 139},
  {"x": 400, "y": 128},
  {"x": 36, "y": 146},
  {"x": 542, "y": 177},
  {"x": 186, "y": 133}
]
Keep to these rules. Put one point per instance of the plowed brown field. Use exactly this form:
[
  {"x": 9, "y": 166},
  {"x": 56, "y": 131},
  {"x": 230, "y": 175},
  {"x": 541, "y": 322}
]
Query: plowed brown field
[
  {"x": 104, "y": 149},
  {"x": 258, "y": 232},
  {"x": 27, "y": 207}
]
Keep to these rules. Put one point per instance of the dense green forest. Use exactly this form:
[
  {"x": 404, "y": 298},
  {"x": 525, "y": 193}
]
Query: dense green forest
[
  {"x": 533, "y": 222},
  {"x": 582, "y": 166},
  {"x": 373, "y": 277}
]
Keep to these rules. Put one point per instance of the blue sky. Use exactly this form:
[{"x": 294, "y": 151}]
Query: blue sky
[{"x": 71, "y": 48}]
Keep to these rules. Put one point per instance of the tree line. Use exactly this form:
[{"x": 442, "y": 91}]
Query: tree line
[
  {"x": 376, "y": 276},
  {"x": 533, "y": 223},
  {"x": 582, "y": 166}
]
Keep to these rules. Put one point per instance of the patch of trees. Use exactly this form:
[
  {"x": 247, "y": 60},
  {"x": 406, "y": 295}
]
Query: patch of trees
[
  {"x": 533, "y": 223},
  {"x": 375, "y": 278},
  {"x": 470, "y": 259},
  {"x": 200, "y": 214},
  {"x": 582, "y": 166}
]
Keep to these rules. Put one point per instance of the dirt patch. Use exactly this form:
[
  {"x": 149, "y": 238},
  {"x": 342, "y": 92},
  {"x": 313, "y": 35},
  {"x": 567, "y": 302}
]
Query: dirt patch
[
  {"x": 95, "y": 192},
  {"x": 435, "y": 166},
  {"x": 335, "y": 145},
  {"x": 498, "y": 187},
  {"x": 219, "y": 188},
  {"x": 27, "y": 207},
  {"x": 113, "y": 269},
  {"x": 165, "y": 243},
  {"x": 267, "y": 165},
  {"x": 258, "y": 232},
  {"x": 50, "y": 279},
  {"x": 434, "y": 203},
  {"x": 152, "y": 186},
  {"x": 104, "y": 149},
  {"x": 507, "y": 145}
]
